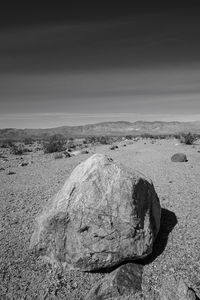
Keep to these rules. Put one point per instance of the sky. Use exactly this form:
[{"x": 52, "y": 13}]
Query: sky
[{"x": 94, "y": 62}]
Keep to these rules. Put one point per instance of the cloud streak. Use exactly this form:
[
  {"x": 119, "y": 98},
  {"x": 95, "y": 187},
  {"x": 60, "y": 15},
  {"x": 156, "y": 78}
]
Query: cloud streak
[{"x": 146, "y": 63}]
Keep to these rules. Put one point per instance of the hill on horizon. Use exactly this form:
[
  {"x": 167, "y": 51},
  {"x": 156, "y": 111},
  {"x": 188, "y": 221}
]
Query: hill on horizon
[{"x": 105, "y": 128}]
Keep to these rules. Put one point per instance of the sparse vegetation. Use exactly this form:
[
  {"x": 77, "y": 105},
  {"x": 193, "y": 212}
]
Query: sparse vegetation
[
  {"x": 28, "y": 141},
  {"x": 19, "y": 149},
  {"x": 55, "y": 144},
  {"x": 188, "y": 139},
  {"x": 71, "y": 144},
  {"x": 103, "y": 140},
  {"x": 58, "y": 155},
  {"x": 7, "y": 143},
  {"x": 128, "y": 137}
]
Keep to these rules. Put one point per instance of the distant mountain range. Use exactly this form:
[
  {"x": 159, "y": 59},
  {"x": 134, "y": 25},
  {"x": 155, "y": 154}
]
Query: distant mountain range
[{"x": 105, "y": 128}]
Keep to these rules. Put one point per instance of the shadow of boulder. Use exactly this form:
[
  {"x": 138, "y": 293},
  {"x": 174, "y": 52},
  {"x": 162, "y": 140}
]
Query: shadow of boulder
[{"x": 167, "y": 223}]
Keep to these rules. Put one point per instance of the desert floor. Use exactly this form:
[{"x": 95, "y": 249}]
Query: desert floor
[{"x": 23, "y": 194}]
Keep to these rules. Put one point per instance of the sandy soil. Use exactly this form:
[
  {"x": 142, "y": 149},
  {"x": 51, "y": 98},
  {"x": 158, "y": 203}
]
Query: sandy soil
[{"x": 22, "y": 195}]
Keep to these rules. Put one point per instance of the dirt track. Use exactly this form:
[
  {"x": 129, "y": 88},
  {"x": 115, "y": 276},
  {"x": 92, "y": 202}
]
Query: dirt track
[{"x": 22, "y": 195}]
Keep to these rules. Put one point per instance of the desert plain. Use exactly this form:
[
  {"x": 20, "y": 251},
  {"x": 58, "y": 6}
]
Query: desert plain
[{"x": 24, "y": 190}]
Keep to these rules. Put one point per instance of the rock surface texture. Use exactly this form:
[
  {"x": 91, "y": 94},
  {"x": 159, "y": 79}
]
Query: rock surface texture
[
  {"x": 176, "y": 290},
  {"x": 105, "y": 214},
  {"x": 125, "y": 280},
  {"x": 179, "y": 157}
]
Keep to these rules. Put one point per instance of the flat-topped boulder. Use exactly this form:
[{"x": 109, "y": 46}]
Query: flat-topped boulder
[{"x": 105, "y": 214}]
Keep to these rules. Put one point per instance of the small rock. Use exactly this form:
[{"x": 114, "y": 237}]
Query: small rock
[
  {"x": 11, "y": 173},
  {"x": 125, "y": 280},
  {"x": 74, "y": 285},
  {"x": 66, "y": 154},
  {"x": 15, "y": 221},
  {"x": 176, "y": 290},
  {"x": 179, "y": 157},
  {"x": 75, "y": 153},
  {"x": 23, "y": 164},
  {"x": 84, "y": 152},
  {"x": 2, "y": 169},
  {"x": 113, "y": 147}
]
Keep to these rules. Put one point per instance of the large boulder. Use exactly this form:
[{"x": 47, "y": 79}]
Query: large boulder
[
  {"x": 104, "y": 214},
  {"x": 179, "y": 157}
]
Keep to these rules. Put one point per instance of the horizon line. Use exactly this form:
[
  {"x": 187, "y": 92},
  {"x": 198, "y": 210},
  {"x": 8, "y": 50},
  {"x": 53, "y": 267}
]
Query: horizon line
[
  {"x": 96, "y": 123},
  {"x": 58, "y": 119}
]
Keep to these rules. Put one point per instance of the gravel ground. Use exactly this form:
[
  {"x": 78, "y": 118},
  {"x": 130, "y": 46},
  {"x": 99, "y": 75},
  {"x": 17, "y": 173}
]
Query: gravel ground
[{"x": 23, "y": 194}]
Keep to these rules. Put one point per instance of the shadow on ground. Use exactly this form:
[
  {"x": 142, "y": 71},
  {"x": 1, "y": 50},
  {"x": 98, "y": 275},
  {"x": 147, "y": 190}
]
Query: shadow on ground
[{"x": 167, "y": 223}]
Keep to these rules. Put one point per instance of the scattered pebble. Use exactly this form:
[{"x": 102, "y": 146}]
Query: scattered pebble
[
  {"x": 11, "y": 173},
  {"x": 23, "y": 164}
]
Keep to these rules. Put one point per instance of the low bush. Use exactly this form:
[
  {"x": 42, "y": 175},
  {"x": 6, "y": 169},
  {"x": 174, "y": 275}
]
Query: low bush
[
  {"x": 103, "y": 140},
  {"x": 18, "y": 149},
  {"x": 55, "y": 144},
  {"x": 28, "y": 141},
  {"x": 58, "y": 155},
  {"x": 3, "y": 145},
  {"x": 188, "y": 139},
  {"x": 128, "y": 137},
  {"x": 7, "y": 144}
]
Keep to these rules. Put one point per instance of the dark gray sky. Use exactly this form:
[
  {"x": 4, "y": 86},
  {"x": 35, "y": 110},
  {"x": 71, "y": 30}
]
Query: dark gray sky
[{"x": 86, "y": 63}]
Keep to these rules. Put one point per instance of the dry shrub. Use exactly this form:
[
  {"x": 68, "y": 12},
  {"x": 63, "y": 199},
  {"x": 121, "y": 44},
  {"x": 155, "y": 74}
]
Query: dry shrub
[
  {"x": 28, "y": 141},
  {"x": 55, "y": 144},
  {"x": 7, "y": 143},
  {"x": 19, "y": 149},
  {"x": 188, "y": 139},
  {"x": 58, "y": 155}
]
